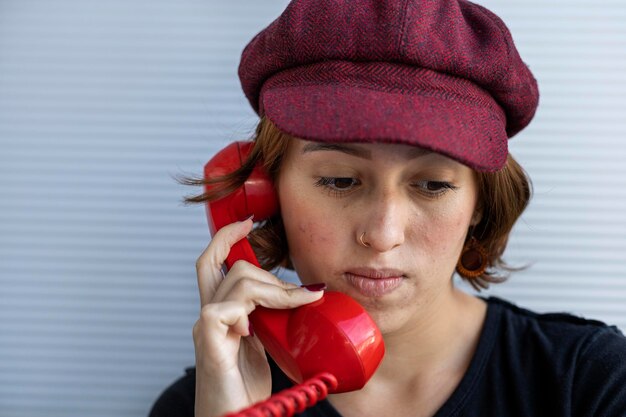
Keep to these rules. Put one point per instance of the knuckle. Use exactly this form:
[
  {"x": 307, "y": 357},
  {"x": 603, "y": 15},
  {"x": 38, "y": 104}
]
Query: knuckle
[
  {"x": 195, "y": 330},
  {"x": 222, "y": 232},
  {"x": 244, "y": 285},
  {"x": 199, "y": 330},
  {"x": 239, "y": 266},
  {"x": 203, "y": 262},
  {"x": 291, "y": 294},
  {"x": 208, "y": 314}
]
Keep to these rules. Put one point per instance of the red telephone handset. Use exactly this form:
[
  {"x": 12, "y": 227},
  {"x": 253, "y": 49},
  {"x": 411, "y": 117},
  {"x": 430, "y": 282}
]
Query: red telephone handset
[{"x": 334, "y": 334}]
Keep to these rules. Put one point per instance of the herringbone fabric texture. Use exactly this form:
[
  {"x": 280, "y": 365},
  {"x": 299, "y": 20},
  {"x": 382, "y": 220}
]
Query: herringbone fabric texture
[{"x": 441, "y": 74}]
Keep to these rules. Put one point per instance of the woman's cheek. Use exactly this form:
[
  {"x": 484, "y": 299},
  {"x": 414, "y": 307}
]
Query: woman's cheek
[
  {"x": 311, "y": 234},
  {"x": 447, "y": 231},
  {"x": 307, "y": 242}
]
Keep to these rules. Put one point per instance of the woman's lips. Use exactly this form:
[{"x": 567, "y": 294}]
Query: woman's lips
[{"x": 374, "y": 282}]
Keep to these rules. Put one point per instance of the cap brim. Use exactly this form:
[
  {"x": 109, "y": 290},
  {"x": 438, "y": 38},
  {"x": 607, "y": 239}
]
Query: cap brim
[{"x": 472, "y": 134}]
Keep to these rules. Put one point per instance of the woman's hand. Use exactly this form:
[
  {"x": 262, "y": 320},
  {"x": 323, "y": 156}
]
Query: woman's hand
[{"x": 231, "y": 368}]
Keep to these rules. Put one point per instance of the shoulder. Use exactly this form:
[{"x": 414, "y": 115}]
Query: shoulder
[
  {"x": 178, "y": 399},
  {"x": 548, "y": 328},
  {"x": 580, "y": 362}
]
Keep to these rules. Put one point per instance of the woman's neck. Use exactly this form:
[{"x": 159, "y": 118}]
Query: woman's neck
[
  {"x": 426, "y": 360},
  {"x": 445, "y": 333}
]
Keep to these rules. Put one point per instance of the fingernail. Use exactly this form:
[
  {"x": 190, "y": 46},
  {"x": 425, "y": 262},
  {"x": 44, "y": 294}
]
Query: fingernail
[
  {"x": 248, "y": 218},
  {"x": 250, "y": 329},
  {"x": 315, "y": 287}
]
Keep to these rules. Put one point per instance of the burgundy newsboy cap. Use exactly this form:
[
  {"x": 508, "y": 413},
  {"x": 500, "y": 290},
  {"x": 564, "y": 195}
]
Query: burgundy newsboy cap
[{"x": 440, "y": 74}]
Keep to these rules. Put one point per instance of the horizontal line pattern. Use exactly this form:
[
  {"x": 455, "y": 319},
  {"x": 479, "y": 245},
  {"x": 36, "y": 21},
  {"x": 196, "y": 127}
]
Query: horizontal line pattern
[{"x": 102, "y": 103}]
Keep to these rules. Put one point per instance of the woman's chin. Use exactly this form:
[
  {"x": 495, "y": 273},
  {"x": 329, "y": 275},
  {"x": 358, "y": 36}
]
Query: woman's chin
[{"x": 388, "y": 320}]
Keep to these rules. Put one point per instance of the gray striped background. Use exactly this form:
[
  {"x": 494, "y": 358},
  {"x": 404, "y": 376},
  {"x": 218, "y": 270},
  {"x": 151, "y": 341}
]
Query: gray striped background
[{"x": 102, "y": 102}]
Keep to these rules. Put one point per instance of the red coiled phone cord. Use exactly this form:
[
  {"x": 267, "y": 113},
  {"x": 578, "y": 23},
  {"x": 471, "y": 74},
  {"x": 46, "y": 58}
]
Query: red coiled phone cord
[{"x": 292, "y": 400}]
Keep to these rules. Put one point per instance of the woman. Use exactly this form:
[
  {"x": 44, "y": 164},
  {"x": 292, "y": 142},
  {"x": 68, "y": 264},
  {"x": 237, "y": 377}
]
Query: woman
[{"x": 384, "y": 125}]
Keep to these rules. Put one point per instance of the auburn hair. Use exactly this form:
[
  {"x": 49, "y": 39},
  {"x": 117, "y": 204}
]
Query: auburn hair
[{"x": 502, "y": 197}]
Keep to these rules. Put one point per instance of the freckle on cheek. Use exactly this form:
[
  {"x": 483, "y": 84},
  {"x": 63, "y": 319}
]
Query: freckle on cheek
[
  {"x": 308, "y": 230},
  {"x": 304, "y": 228}
]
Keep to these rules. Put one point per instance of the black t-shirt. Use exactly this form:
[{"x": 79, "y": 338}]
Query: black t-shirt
[{"x": 526, "y": 364}]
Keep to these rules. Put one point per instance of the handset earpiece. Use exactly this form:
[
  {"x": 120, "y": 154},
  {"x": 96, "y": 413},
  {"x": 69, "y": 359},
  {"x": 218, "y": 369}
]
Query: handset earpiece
[{"x": 255, "y": 197}]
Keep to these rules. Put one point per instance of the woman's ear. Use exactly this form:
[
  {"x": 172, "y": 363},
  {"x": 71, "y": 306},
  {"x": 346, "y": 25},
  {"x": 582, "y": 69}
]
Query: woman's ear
[{"x": 477, "y": 216}]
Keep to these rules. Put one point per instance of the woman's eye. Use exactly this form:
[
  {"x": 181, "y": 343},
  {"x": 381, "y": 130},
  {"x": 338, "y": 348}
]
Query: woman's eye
[
  {"x": 435, "y": 187},
  {"x": 337, "y": 183},
  {"x": 343, "y": 183}
]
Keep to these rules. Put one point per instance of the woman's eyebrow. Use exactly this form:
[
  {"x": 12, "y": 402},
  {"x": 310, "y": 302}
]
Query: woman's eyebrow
[
  {"x": 350, "y": 150},
  {"x": 355, "y": 151}
]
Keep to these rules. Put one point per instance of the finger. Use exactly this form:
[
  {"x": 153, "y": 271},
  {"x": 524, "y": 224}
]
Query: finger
[
  {"x": 217, "y": 332},
  {"x": 245, "y": 270},
  {"x": 220, "y": 318},
  {"x": 252, "y": 293},
  {"x": 209, "y": 264}
]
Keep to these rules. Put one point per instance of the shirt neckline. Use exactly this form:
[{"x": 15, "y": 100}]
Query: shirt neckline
[{"x": 487, "y": 340}]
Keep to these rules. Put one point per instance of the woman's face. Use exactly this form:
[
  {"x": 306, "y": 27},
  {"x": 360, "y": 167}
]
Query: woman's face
[{"x": 414, "y": 207}]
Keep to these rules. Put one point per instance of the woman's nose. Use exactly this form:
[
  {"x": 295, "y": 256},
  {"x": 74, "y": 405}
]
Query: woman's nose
[{"x": 386, "y": 223}]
